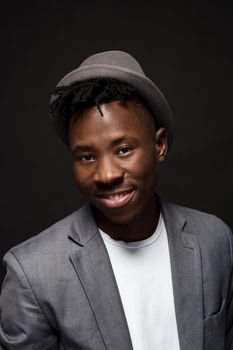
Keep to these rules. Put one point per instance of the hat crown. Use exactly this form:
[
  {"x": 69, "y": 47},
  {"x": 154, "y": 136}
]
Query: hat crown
[
  {"x": 123, "y": 67},
  {"x": 114, "y": 58}
]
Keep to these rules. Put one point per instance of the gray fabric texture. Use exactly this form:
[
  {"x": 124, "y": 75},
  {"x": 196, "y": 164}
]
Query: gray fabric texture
[{"x": 60, "y": 292}]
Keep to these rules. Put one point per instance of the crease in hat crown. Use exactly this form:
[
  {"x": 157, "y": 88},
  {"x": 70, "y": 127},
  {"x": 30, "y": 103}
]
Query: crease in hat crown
[{"x": 123, "y": 67}]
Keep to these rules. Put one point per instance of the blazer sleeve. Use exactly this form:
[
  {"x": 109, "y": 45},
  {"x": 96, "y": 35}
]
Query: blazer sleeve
[
  {"x": 23, "y": 325},
  {"x": 229, "y": 310}
]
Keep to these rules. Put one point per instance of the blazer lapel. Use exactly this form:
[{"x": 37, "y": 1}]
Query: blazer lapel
[
  {"x": 92, "y": 264},
  {"x": 187, "y": 279}
]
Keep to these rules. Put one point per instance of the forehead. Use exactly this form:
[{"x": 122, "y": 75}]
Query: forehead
[{"x": 113, "y": 118}]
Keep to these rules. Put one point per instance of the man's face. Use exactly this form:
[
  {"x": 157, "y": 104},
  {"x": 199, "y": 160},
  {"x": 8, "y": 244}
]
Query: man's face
[{"x": 115, "y": 159}]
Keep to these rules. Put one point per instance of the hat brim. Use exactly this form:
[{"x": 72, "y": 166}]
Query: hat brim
[{"x": 149, "y": 92}]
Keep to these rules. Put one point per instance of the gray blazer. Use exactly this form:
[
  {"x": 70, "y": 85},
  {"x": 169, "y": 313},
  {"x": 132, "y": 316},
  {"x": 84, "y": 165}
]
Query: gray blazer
[{"x": 60, "y": 291}]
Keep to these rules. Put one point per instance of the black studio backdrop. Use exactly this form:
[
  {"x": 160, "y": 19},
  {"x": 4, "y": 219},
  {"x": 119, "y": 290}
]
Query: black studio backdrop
[{"x": 185, "y": 47}]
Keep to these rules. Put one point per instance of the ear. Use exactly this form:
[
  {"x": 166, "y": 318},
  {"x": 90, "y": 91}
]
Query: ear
[{"x": 161, "y": 144}]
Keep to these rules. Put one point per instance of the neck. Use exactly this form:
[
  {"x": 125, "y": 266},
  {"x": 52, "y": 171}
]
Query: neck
[{"x": 140, "y": 228}]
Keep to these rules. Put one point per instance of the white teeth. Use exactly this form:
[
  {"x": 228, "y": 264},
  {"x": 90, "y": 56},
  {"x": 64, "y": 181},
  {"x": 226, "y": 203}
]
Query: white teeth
[{"x": 116, "y": 197}]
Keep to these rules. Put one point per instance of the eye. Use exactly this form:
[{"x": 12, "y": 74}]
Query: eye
[
  {"x": 87, "y": 158},
  {"x": 124, "y": 150}
]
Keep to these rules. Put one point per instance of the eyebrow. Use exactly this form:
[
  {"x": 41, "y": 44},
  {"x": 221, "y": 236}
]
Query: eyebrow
[
  {"x": 115, "y": 142},
  {"x": 123, "y": 139}
]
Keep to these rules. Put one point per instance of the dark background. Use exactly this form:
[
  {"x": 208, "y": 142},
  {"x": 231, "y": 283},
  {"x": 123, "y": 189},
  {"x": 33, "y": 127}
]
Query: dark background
[{"x": 185, "y": 47}]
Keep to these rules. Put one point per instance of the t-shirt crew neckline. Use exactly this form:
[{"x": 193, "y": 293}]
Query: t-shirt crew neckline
[{"x": 137, "y": 244}]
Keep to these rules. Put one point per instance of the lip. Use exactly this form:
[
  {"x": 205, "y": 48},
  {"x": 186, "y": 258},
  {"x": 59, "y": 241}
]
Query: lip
[{"x": 121, "y": 198}]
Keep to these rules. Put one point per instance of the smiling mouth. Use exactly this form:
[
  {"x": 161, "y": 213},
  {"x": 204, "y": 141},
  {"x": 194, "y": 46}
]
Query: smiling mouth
[{"x": 116, "y": 200}]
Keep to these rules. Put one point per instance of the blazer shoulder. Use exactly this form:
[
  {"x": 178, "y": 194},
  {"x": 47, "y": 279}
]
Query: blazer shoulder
[
  {"x": 49, "y": 240},
  {"x": 196, "y": 222},
  {"x": 194, "y": 218},
  {"x": 46, "y": 256},
  {"x": 213, "y": 234}
]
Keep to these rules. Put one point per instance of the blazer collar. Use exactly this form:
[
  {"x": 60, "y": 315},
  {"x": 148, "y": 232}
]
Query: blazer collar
[{"x": 83, "y": 226}]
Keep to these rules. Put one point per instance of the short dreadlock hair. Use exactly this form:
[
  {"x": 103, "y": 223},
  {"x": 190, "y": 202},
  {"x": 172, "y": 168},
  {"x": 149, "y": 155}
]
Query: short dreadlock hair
[{"x": 94, "y": 92}]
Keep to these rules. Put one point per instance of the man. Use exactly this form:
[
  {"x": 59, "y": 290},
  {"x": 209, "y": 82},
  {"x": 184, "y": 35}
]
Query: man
[{"x": 126, "y": 271}]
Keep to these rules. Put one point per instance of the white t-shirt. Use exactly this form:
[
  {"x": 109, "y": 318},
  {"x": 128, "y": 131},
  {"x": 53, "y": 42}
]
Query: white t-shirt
[{"x": 143, "y": 273}]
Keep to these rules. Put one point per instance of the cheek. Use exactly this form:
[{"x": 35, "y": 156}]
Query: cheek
[
  {"x": 144, "y": 167},
  {"x": 82, "y": 177}
]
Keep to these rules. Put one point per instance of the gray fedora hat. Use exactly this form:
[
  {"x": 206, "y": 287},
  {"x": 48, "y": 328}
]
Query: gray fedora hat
[{"x": 123, "y": 67}]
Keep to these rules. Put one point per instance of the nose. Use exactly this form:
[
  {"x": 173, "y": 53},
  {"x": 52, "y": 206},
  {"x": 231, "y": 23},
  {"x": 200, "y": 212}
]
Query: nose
[{"x": 108, "y": 171}]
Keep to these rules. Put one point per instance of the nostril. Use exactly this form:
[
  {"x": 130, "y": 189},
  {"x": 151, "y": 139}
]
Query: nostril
[
  {"x": 108, "y": 180},
  {"x": 108, "y": 176}
]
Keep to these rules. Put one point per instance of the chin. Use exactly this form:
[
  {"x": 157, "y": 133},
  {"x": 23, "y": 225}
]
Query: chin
[{"x": 122, "y": 219}]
